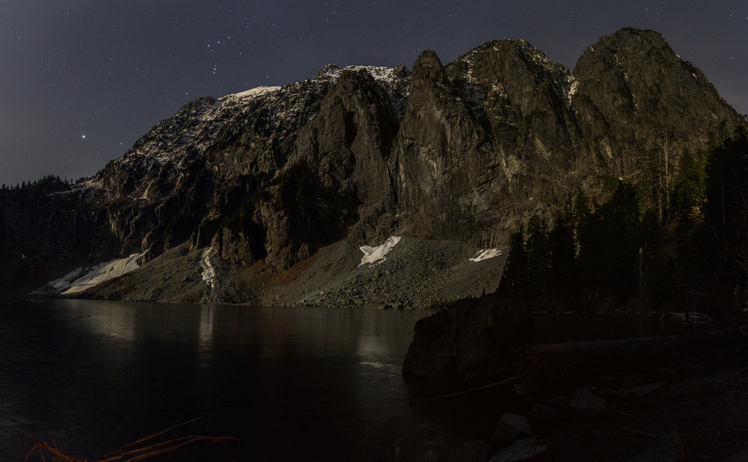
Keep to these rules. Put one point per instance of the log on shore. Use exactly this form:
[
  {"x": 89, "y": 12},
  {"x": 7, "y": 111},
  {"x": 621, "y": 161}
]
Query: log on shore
[{"x": 550, "y": 364}]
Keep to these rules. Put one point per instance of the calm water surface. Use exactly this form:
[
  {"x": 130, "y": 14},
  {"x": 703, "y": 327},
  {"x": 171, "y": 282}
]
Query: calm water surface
[{"x": 289, "y": 382}]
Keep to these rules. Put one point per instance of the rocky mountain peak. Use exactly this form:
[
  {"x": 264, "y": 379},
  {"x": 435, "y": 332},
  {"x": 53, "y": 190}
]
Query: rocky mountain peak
[
  {"x": 635, "y": 81},
  {"x": 429, "y": 67},
  {"x": 467, "y": 151}
]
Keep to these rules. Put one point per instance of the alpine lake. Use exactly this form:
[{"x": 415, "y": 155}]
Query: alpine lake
[{"x": 90, "y": 377}]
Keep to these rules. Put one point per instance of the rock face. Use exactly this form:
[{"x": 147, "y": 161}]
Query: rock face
[
  {"x": 465, "y": 152},
  {"x": 472, "y": 334}
]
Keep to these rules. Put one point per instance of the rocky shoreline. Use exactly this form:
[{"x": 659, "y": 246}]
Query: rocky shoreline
[{"x": 687, "y": 409}]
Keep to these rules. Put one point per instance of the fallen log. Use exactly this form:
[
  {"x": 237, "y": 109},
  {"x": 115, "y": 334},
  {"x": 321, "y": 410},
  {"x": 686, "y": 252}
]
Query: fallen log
[{"x": 547, "y": 365}]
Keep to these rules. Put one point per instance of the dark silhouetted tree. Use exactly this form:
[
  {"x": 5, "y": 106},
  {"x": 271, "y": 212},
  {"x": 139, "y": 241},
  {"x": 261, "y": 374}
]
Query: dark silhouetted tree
[
  {"x": 562, "y": 276},
  {"x": 537, "y": 255},
  {"x": 726, "y": 206},
  {"x": 513, "y": 282},
  {"x": 688, "y": 192}
]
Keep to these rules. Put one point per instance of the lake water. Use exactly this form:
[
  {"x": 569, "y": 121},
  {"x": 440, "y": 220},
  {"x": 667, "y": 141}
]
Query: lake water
[{"x": 290, "y": 383}]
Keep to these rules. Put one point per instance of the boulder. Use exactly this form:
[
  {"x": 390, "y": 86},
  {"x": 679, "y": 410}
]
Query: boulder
[
  {"x": 559, "y": 403},
  {"x": 587, "y": 406},
  {"x": 470, "y": 451},
  {"x": 741, "y": 456},
  {"x": 472, "y": 334},
  {"x": 542, "y": 416},
  {"x": 667, "y": 448},
  {"x": 521, "y": 390},
  {"x": 511, "y": 427},
  {"x": 614, "y": 396},
  {"x": 651, "y": 394},
  {"x": 530, "y": 449}
]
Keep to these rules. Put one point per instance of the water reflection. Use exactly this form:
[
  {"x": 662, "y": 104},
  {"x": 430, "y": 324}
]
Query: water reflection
[{"x": 94, "y": 376}]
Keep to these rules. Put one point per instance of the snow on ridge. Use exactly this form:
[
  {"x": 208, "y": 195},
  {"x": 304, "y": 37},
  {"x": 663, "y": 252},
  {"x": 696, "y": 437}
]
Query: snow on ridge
[
  {"x": 379, "y": 73},
  {"x": 181, "y": 138},
  {"x": 253, "y": 92},
  {"x": 376, "y": 255},
  {"x": 485, "y": 254}
]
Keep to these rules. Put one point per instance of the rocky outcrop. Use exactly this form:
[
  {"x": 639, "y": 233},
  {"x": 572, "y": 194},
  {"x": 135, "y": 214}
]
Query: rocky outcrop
[
  {"x": 465, "y": 152},
  {"x": 472, "y": 334}
]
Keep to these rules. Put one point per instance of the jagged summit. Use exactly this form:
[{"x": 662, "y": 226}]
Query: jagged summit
[{"x": 465, "y": 151}]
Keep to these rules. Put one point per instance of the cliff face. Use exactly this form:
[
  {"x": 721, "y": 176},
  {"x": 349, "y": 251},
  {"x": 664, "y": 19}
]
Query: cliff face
[
  {"x": 630, "y": 90},
  {"x": 466, "y": 152}
]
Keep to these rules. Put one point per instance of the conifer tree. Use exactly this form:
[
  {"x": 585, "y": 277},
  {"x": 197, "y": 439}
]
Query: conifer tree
[
  {"x": 513, "y": 280},
  {"x": 537, "y": 255},
  {"x": 727, "y": 204},
  {"x": 562, "y": 257},
  {"x": 689, "y": 187}
]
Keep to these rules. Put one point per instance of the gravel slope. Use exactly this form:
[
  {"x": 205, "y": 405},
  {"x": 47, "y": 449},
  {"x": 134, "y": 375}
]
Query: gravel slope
[{"x": 414, "y": 274}]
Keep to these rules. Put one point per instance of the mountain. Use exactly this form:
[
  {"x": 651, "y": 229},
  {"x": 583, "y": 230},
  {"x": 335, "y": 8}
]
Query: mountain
[{"x": 464, "y": 152}]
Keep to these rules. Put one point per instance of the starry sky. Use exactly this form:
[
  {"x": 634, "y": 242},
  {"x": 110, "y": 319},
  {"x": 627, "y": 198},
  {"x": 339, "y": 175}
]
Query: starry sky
[{"x": 82, "y": 80}]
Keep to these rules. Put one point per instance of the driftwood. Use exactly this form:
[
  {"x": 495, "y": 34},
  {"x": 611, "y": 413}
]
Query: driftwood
[
  {"x": 130, "y": 452},
  {"x": 547, "y": 365}
]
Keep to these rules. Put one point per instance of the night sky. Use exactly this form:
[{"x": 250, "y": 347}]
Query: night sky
[{"x": 82, "y": 80}]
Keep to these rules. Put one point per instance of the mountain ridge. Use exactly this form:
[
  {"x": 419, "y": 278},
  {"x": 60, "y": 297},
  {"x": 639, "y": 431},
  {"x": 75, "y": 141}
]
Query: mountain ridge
[{"x": 464, "y": 152}]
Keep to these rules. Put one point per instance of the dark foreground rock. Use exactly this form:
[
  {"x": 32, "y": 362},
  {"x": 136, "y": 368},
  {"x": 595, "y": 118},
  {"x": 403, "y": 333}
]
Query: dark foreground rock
[
  {"x": 742, "y": 456},
  {"x": 667, "y": 448},
  {"x": 511, "y": 428},
  {"x": 530, "y": 449},
  {"x": 587, "y": 406},
  {"x": 472, "y": 334}
]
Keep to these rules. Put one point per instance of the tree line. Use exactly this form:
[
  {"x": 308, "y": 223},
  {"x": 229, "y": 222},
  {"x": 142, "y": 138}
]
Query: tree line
[
  {"x": 23, "y": 184},
  {"x": 668, "y": 237}
]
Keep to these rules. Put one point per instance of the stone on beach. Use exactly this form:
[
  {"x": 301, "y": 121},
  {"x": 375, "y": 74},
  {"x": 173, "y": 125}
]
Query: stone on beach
[
  {"x": 667, "y": 448},
  {"x": 512, "y": 427},
  {"x": 587, "y": 406},
  {"x": 651, "y": 394},
  {"x": 542, "y": 416},
  {"x": 526, "y": 450}
]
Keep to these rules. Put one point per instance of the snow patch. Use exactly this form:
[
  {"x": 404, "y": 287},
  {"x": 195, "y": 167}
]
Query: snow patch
[
  {"x": 209, "y": 273},
  {"x": 485, "y": 254},
  {"x": 572, "y": 89},
  {"x": 377, "y": 254},
  {"x": 104, "y": 272},
  {"x": 66, "y": 281}
]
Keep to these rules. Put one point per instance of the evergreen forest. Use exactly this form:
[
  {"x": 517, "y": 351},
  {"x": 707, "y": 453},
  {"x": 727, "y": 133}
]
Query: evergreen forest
[{"x": 673, "y": 239}]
